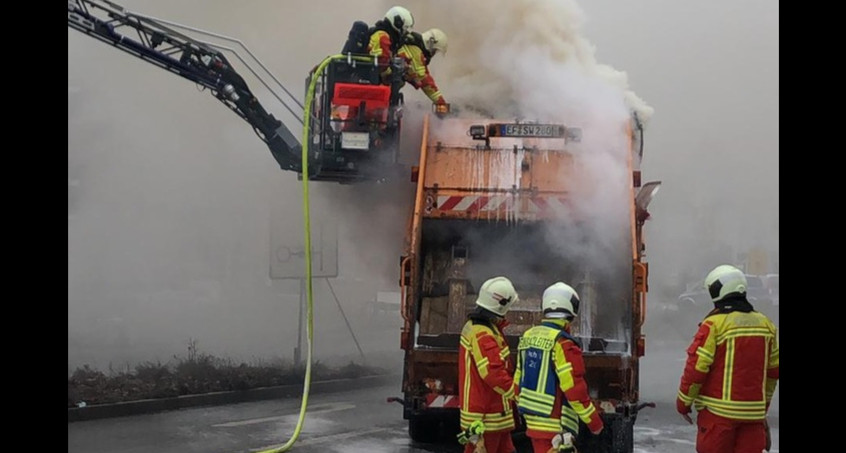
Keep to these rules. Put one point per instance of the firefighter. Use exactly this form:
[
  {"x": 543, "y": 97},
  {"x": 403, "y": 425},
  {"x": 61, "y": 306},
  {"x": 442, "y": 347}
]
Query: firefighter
[
  {"x": 386, "y": 36},
  {"x": 417, "y": 51},
  {"x": 731, "y": 370},
  {"x": 550, "y": 375},
  {"x": 486, "y": 388}
]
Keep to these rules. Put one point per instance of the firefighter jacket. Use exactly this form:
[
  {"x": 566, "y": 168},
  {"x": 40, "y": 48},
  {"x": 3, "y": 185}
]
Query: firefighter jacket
[
  {"x": 550, "y": 376},
  {"x": 418, "y": 75},
  {"x": 486, "y": 388},
  {"x": 732, "y": 365},
  {"x": 384, "y": 43}
]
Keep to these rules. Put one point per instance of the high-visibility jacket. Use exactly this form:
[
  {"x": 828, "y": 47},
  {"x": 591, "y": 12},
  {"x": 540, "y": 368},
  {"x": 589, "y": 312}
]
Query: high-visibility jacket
[
  {"x": 380, "y": 46},
  {"x": 732, "y": 366},
  {"x": 550, "y": 376},
  {"x": 486, "y": 388},
  {"x": 418, "y": 71},
  {"x": 383, "y": 44}
]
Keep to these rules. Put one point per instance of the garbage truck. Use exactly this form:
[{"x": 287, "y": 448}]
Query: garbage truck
[{"x": 533, "y": 202}]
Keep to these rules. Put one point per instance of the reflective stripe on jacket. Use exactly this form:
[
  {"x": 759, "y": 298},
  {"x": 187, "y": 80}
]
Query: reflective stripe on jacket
[
  {"x": 550, "y": 377},
  {"x": 732, "y": 366},
  {"x": 486, "y": 387},
  {"x": 380, "y": 46},
  {"x": 418, "y": 71}
]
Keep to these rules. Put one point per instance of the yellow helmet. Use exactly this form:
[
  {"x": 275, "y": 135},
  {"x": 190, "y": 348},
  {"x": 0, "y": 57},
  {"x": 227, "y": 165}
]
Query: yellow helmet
[{"x": 497, "y": 295}]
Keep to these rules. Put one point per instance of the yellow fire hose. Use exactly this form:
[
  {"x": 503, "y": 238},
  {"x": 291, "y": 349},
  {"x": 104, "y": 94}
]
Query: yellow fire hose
[{"x": 307, "y": 242}]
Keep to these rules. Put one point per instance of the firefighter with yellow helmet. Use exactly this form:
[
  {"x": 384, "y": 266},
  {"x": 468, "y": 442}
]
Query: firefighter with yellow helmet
[
  {"x": 551, "y": 376},
  {"x": 486, "y": 388}
]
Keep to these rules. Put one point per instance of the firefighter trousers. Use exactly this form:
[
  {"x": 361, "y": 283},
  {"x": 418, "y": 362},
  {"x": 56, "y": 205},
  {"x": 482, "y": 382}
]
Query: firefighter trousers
[{"x": 723, "y": 435}]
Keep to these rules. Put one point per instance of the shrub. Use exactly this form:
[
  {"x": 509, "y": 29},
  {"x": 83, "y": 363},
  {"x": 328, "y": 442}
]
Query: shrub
[{"x": 197, "y": 373}]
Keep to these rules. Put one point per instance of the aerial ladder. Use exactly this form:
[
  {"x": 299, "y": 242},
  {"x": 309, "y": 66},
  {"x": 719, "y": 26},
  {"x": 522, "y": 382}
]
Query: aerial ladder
[{"x": 354, "y": 115}]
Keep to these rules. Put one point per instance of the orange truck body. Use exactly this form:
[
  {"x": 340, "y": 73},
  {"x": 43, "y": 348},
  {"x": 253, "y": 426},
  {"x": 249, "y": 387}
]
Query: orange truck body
[{"x": 497, "y": 208}]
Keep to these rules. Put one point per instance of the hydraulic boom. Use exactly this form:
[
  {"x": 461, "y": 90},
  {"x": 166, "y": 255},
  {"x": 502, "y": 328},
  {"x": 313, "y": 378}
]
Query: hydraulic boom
[{"x": 189, "y": 58}]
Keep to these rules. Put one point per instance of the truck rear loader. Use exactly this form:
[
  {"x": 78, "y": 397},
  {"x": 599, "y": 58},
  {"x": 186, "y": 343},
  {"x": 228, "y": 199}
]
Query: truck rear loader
[{"x": 524, "y": 200}]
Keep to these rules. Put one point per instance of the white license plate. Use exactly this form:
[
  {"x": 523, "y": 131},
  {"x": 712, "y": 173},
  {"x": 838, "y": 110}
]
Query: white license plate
[
  {"x": 355, "y": 140},
  {"x": 530, "y": 130}
]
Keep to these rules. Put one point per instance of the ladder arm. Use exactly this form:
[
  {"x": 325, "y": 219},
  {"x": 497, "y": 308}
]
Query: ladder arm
[{"x": 193, "y": 60}]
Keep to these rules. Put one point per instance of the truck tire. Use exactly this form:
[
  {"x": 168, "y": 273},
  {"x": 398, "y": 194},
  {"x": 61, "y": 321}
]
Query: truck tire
[
  {"x": 617, "y": 437},
  {"x": 423, "y": 429},
  {"x": 622, "y": 435}
]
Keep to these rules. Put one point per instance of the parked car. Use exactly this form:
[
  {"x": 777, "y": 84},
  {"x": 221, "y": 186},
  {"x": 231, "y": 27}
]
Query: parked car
[
  {"x": 771, "y": 283},
  {"x": 695, "y": 295},
  {"x": 756, "y": 292}
]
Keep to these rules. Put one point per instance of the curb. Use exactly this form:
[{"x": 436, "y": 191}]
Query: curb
[{"x": 76, "y": 414}]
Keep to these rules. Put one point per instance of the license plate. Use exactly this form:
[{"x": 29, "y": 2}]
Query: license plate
[
  {"x": 531, "y": 130},
  {"x": 355, "y": 140}
]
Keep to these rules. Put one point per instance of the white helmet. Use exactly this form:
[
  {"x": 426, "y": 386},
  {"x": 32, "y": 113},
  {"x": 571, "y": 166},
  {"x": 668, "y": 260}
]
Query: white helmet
[
  {"x": 497, "y": 295},
  {"x": 435, "y": 40},
  {"x": 560, "y": 300},
  {"x": 400, "y": 19},
  {"x": 725, "y": 280}
]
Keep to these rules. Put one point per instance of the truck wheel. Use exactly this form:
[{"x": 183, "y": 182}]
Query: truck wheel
[
  {"x": 422, "y": 429},
  {"x": 617, "y": 437},
  {"x": 622, "y": 435}
]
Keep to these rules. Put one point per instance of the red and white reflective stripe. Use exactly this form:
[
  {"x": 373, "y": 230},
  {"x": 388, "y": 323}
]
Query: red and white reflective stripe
[
  {"x": 557, "y": 205},
  {"x": 470, "y": 203},
  {"x": 482, "y": 203},
  {"x": 435, "y": 400}
]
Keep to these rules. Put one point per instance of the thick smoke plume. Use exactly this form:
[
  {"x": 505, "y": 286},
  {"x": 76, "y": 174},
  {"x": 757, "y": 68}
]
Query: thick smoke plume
[
  {"x": 529, "y": 60},
  {"x": 525, "y": 58}
]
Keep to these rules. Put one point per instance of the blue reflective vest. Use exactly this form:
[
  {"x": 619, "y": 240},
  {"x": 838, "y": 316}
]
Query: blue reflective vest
[{"x": 538, "y": 381}]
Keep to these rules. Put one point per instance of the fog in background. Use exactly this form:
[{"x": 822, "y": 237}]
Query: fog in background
[{"x": 172, "y": 198}]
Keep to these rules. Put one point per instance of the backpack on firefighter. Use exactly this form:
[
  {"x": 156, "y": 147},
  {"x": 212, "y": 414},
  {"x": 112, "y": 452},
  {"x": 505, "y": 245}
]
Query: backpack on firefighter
[
  {"x": 357, "y": 38},
  {"x": 359, "y": 35}
]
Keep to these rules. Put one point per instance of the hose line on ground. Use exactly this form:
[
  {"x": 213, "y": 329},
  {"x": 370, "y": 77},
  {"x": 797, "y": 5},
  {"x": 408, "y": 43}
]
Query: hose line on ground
[{"x": 307, "y": 245}]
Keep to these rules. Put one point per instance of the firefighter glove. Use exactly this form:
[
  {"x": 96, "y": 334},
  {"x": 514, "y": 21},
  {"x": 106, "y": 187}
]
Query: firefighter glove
[
  {"x": 563, "y": 442},
  {"x": 596, "y": 425},
  {"x": 472, "y": 433},
  {"x": 684, "y": 410},
  {"x": 681, "y": 407}
]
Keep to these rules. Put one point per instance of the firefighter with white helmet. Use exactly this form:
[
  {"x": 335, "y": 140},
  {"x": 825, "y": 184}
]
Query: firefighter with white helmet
[
  {"x": 731, "y": 370},
  {"x": 400, "y": 19},
  {"x": 725, "y": 280},
  {"x": 550, "y": 375},
  {"x": 386, "y": 36},
  {"x": 417, "y": 51},
  {"x": 486, "y": 388},
  {"x": 435, "y": 40}
]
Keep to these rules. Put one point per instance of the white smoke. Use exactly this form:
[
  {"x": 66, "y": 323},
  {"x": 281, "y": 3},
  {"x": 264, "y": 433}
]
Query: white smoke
[
  {"x": 529, "y": 60},
  {"x": 508, "y": 56}
]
